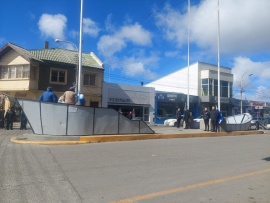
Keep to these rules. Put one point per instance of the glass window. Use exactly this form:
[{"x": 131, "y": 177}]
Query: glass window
[
  {"x": 58, "y": 76},
  {"x": 205, "y": 90},
  {"x": 26, "y": 70},
  {"x": 146, "y": 114},
  {"x": 4, "y": 72},
  {"x": 12, "y": 72},
  {"x": 205, "y": 87},
  {"x": 19, "y": 72},
  {"x": 89, "y": 79},
  {"x": 210, "y": 87}
]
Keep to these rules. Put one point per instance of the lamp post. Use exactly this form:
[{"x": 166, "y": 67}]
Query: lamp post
[
  {"x": 241, "y": 90},
  {"x": 60, "y": 40}
]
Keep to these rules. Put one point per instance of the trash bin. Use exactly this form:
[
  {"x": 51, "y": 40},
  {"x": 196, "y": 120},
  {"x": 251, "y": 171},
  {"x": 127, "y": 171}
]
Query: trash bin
[{"x": 257, "y": 125}]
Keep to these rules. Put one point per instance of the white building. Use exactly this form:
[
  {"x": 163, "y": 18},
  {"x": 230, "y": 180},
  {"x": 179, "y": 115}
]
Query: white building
[
  {"x": 203, "y": 82},
  {"x": 126, "y": 98}
]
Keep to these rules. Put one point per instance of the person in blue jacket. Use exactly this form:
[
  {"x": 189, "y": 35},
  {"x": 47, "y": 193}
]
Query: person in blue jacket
[{"x": 48, "y": 96}]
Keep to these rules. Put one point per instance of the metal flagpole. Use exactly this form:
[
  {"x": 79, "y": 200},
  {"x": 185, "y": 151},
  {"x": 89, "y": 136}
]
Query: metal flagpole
[
  {"x": 80, "y": 49},
  {"x": 218, "y": 43},
  {"x": 188, "y": 51}
]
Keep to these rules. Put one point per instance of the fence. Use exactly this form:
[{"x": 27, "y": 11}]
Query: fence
[{"x": 64, "y": 119}]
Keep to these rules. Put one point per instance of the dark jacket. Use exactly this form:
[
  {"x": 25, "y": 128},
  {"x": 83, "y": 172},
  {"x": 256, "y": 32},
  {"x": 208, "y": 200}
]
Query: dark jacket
[
  {"x": 206, "y": 115},
  {"x": 48, "y": 96},
  {"x": 178, "y": 114},
  {"x": 186, "y": 115},
  {"x": 214, "y": 115},
  {"x": 10, "y": 115}
]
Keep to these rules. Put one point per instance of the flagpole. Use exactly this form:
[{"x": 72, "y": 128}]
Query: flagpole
[
  {"x": 188, "y": 51},
  {"x": 218, "y": 44},
  {"x": 80, "y": 49}
]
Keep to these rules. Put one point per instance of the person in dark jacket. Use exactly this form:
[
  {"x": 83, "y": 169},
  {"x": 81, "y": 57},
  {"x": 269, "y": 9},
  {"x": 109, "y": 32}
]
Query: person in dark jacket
[
  {"x": 9, "y": 117},
  {"x": 48, "y": 96},
  {"x": 178, "y": 117},
  {"x": 2, "y": 117},
  {"x": 214, "y": 118},
  {"x": 206, "y": 117}
]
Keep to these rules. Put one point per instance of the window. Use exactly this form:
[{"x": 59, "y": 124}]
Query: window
[
  {"x": 16, "y": 71},
  {"x": 205, "y": 87},
  {"x": 224, "y": 88},
  {"x": 58, "y": 76},
  {"x": 89, "y": 79},
  {"x": 146, "y": 114}
]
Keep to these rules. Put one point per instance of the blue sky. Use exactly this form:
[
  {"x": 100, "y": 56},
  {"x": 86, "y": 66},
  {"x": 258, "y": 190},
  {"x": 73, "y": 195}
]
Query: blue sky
[{"x": 144, "y": 40}]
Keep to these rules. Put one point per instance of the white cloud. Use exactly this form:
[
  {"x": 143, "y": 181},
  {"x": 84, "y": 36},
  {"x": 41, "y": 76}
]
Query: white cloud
[
  {"x": 52, "y": 25},
  {"x": 90, "y": 27},
  {"x": 136, "y": 68},
  {"x": 257, "y": 86},
  {"x": 136, "y": 34},
  {"x": 108, "y": 45},
  {"x": 244, "y": 25}
]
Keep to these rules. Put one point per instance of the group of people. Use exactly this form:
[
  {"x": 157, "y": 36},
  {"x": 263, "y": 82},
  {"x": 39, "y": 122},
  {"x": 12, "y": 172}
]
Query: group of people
[
  {"x": 7, "y": 119},
  {"x": 186, "y": 118},
  {"x": 69, "y": 97},
  {"x": 214, "y": 115}
]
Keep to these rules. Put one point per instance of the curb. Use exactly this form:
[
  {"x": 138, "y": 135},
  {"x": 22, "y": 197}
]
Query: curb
[{"x": 117, "y": 138}]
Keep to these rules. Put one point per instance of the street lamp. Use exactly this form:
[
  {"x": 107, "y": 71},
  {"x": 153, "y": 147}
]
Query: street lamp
[
  {"x": 241, "y": 90},
  {"x": 74, "y": 45}
]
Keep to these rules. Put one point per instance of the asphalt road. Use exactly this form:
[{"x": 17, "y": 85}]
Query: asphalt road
[{"x": 199, "y": 170}]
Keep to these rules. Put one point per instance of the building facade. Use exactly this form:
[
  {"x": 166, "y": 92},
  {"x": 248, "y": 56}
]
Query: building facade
[
  {"x": 203, "y": 83},
  {"x": 126, "y": 98},
  {"x": 28, "y": 73}
]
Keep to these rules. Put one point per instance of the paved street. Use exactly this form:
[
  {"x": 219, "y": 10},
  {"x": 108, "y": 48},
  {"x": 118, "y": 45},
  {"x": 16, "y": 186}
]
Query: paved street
[{"x": 217, "y": 169}]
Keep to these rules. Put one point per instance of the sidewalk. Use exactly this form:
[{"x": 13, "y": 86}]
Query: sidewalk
[{"x": 161, "y": 132}]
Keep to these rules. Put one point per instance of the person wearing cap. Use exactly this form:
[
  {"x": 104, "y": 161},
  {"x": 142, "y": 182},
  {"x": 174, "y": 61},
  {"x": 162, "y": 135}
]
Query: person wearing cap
[
  {"x": 48, "y": 96},
  {"x": 69, "y": 97}
]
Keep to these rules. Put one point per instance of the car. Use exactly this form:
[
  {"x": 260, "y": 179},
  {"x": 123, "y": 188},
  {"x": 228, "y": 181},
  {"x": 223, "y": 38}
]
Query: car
[
  {"x": 262, "y": 120},
  {"x": 199, "y": 119},
  {"x": 172, "y": 121}
]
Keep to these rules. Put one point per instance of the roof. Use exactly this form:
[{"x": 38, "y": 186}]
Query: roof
[
  {"x": 25, "y": 53},
  {"x": 55, "y": 55}
]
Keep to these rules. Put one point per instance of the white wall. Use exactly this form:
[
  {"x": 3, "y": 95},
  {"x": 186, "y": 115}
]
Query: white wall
[{"x": 178, "y": 81}]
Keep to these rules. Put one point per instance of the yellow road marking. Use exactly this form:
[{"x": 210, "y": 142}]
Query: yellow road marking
[{"x": 166, "y": 192}]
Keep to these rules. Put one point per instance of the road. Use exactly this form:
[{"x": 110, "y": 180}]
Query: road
[{"x": 194, "y": 170}]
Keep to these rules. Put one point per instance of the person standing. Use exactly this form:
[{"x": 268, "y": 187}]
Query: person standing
[
  {"x": 70, "y": 97},
  {"x": 9, "y": 117},
  {"x": 2, "y": 117},
  {"x": 186, "y": 118},
  {"x": 214, "y": 119},
  {"x": 48, "y": 96},
  {"x": 206, "y": 117},
  {"x": 23, "y": 121},
  {"x": 178, "y": 117}
]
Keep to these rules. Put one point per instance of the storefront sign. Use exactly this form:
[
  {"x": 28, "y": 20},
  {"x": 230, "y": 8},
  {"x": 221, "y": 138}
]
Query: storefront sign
[
  {"x": 119, "y": 100},
  {"x": 255, "y": 103}
]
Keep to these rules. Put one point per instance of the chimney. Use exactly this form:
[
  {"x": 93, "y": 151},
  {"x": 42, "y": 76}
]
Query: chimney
[{"x": 46, "y": 45}]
